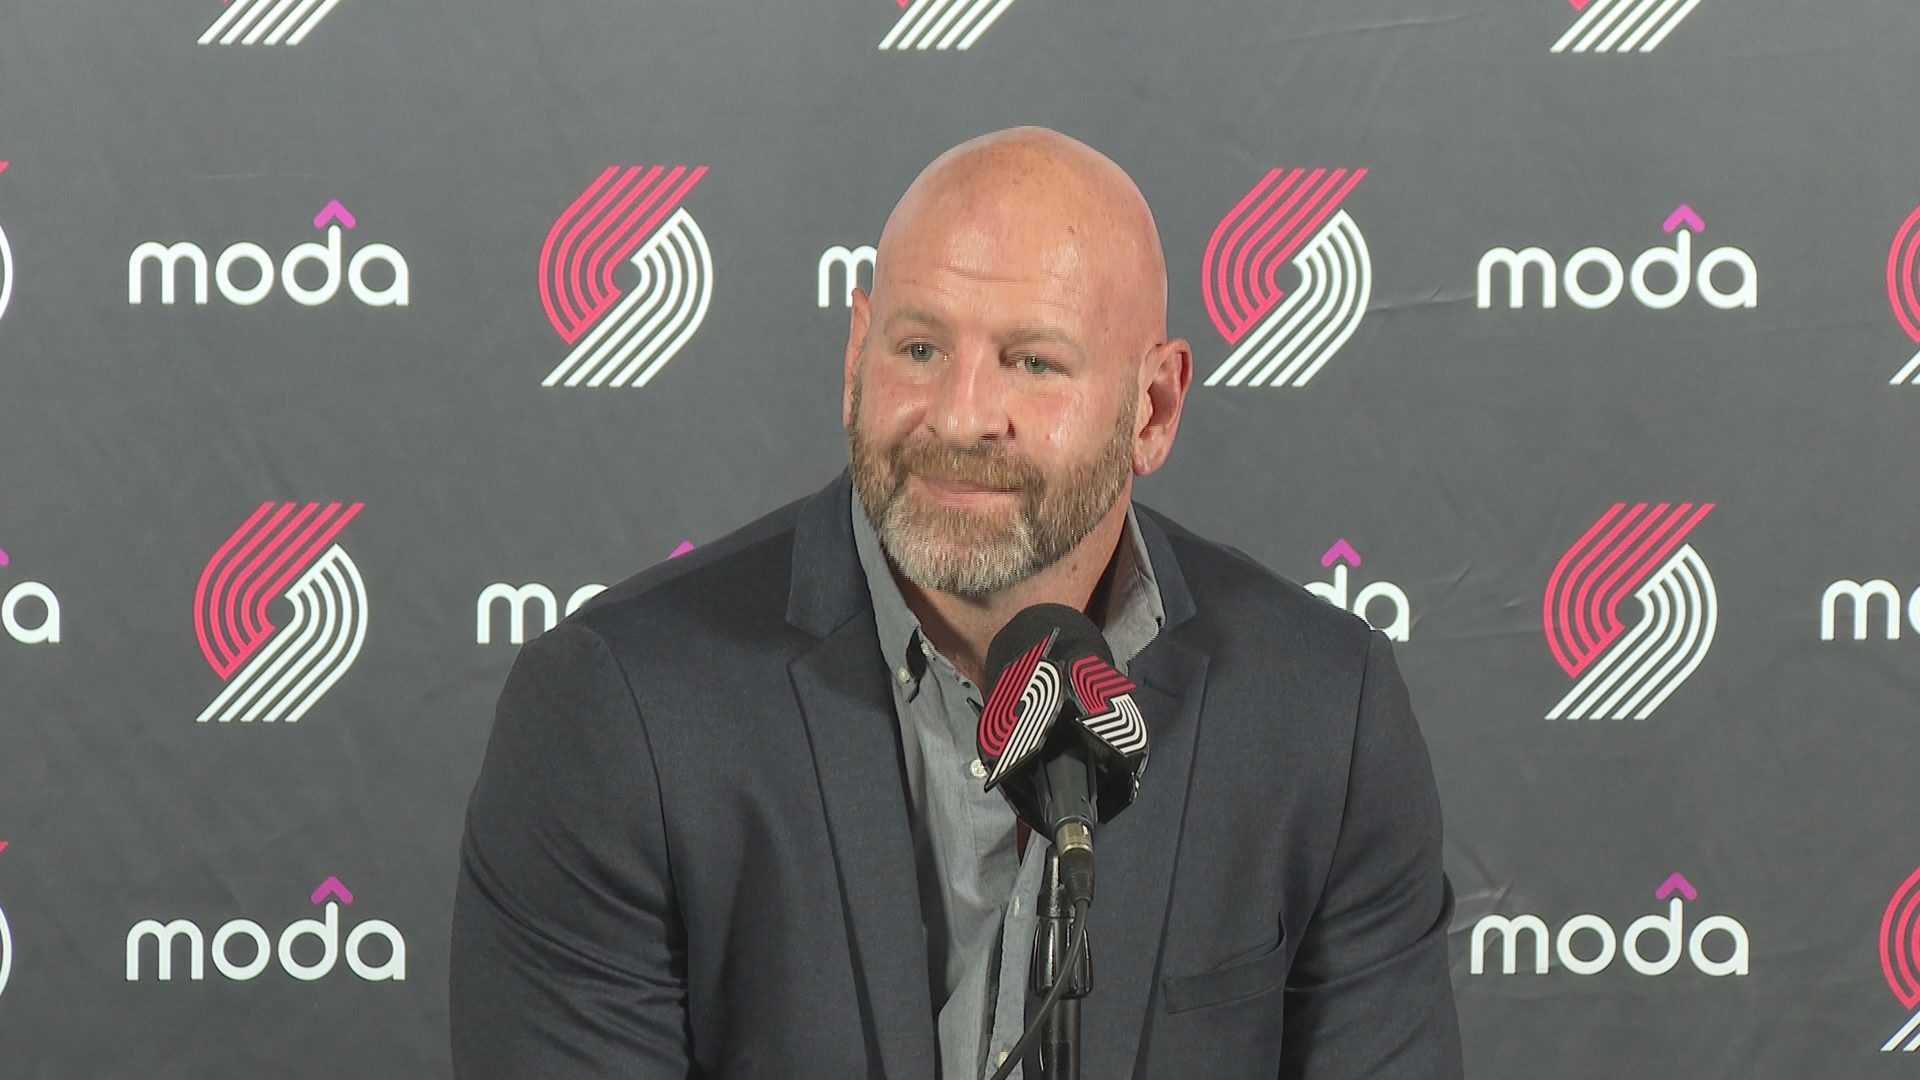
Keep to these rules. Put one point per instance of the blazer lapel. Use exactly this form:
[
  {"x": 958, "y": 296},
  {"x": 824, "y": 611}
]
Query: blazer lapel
[
  {"x": 1136, "y": 853},
  {"x": 847, "y": 703}
]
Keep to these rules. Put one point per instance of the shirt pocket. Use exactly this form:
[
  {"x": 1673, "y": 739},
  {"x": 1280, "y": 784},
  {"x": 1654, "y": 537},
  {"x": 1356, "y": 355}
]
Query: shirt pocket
[{"x": 1244, "y": 979}]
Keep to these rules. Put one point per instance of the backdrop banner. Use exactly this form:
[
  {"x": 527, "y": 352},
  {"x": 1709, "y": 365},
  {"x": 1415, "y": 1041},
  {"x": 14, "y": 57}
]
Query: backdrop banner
[{"x": 345, "y": 345}]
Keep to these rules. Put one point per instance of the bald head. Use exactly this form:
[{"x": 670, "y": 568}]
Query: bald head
[
  {"x": 1033, "y": 201},
  {"x": 1011, "y": 373}
]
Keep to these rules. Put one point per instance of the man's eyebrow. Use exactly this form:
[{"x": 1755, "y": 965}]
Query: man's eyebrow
[
  {"x": 913, "y": 314},
  {"x": 1028, "y": 335},
  {"x": 1021, "y": 335}
]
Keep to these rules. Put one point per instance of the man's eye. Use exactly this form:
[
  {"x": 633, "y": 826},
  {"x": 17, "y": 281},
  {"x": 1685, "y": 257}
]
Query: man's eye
[
  {"x": 1034, "y": 365},
  {"x": 920, "y": 352}
]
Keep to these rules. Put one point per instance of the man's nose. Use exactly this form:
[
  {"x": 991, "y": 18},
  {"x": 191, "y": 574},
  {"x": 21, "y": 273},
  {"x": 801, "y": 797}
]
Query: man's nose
[{"x": 969, "y": 398}]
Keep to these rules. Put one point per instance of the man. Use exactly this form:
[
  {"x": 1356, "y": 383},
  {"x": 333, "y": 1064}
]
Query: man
[{"x": 731, "y": 823}]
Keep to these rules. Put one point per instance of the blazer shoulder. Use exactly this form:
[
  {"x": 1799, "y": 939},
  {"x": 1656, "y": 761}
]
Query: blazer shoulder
[
  {"x": 730, "y": 584},
  {"x": 1236, "y": 596}
]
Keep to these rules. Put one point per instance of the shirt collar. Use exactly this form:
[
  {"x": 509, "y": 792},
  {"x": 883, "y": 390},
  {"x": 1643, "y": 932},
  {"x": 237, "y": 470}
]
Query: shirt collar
[{"x": 1132, "y": 619}]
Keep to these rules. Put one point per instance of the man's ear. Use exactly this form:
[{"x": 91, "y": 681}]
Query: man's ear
[
  {"x": 1165, "y": 375},
  {"x": 856, "y": 344}
]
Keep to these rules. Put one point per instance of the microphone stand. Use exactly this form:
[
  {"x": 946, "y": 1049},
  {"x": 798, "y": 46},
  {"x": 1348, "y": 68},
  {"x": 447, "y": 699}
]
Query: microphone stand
[{"x": 1052, "y": 941}]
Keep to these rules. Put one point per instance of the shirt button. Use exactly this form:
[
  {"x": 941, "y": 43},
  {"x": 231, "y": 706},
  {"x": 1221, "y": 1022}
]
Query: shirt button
[
  {"x": 978, "y": 770},
  {"x": 904, "y": 675},
  {"x": 1001, "y": 1060},
  {"x": 926, "y": 649}
]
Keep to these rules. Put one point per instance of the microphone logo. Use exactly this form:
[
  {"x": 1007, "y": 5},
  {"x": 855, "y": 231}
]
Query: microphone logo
[
  {"x": 1060, "y": 733},
  {"x": 1107, "y": 698},
  {"x": 1025, "y": 700}
]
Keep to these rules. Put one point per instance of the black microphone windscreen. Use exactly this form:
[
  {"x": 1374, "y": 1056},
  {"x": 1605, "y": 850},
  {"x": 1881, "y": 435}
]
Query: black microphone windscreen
[{"x": 1077, "y": 637}]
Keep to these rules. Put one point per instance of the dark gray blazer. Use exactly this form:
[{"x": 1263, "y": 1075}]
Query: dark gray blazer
[{"x": 688, "y": 852}]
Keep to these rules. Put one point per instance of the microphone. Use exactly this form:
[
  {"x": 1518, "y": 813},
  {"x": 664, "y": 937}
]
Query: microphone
[{"x": 1061, "y": 735}]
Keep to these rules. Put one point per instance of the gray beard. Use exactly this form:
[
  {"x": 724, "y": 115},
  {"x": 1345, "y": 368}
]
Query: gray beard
[{"x": 972, "y": 554}]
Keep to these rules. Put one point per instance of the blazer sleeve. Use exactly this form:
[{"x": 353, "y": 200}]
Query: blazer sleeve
[
  {"x": 1369, "y": 994},
  {"x": 567, "y": 958}
]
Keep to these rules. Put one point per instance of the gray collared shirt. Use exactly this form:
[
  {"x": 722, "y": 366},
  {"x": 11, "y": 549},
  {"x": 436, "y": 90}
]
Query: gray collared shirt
[{"x": 976, "y": 894}]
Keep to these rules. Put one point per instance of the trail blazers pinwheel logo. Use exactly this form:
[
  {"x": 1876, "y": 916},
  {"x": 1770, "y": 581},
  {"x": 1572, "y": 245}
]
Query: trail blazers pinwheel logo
[
  {"x": 1900, "y": 291},
  {"x": 6, "y": 264},
  {"x": 1638, "y": 550},
  {"x": 285, "y": 550},
  {"x": 943, "y": 24},
  {"x": 1022, "y": 707},
  {"x": 1106, "y": 701},
  {"x": 633, "y": 214},
  {"x": 267, "y": 22},
  {"x": 1281, "y": 339},
  {"x": 6, "y": 943},
  {"x": 1900, "y": 959},
  {"x": 1620, "y": 26},
  {"x": 1026, "y": 700}
]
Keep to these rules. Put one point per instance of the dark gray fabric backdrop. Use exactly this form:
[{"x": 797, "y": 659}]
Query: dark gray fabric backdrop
[{"x": 1532, "y": 482}]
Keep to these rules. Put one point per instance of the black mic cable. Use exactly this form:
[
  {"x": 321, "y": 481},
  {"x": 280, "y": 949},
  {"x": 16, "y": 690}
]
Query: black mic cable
[{"x": 1032, "y": 1034}]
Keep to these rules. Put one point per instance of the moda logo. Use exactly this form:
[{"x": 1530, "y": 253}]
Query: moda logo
[
  {"x": 6, "y": 264},
  {"x": 1860, "y": 597},
  {"x": 1291, "y": 215},
  {"x": 518, "y": 600},
  {"x": 628, "y": 214},
  {"x": 1637, "y": 550},
  {"x": 1900, "y": 290},
  {"x": 29, "y": 612},
  {"x": 1621, "y": 26},
  {"x": 1368, "y": 598},
  {"x": 267, "y": 22},
  {"x": 254, "y": 958},
  {"x": 284, "y": 551},
  {"x": 518, "y": 603},
  {"x": 943, "y": 24},
  {"x": 849, "y": 260},
  {"x": 1900, "y": 959},
  {"x": 258, "y": 276},
  {"x": 1600, "y": 267},
  {"x": 1699, "y": 945}
]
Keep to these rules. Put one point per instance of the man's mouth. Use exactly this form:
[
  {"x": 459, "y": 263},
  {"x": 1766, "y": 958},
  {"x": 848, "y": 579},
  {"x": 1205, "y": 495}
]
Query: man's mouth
[{"x": 953, "y": 491}]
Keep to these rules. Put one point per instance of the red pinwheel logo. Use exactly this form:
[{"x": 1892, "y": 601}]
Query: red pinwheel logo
[
  {"x": 629, "y": 214},
  {"x": 1900, "y": 291},
  {"x": 1015, "y": 719},
  {"x": 1900, "y": 959},
  {"x": 942, "y": 24},
  {"x": 1106, "y": 700},
  {"x": 1637, "y": 551},
  {"x": 266, "y": 22},
  {"x": 6, "y": 943},
  {"x": 6, "y": 264},
  {"x": 284, "y": 551},
  {"x": 1622, "y": 26},
  {"x": 1291, "y": 217}
]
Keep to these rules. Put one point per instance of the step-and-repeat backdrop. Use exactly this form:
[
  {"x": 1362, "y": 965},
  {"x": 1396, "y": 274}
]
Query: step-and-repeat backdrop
[{"x": 347, "y": 344}]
